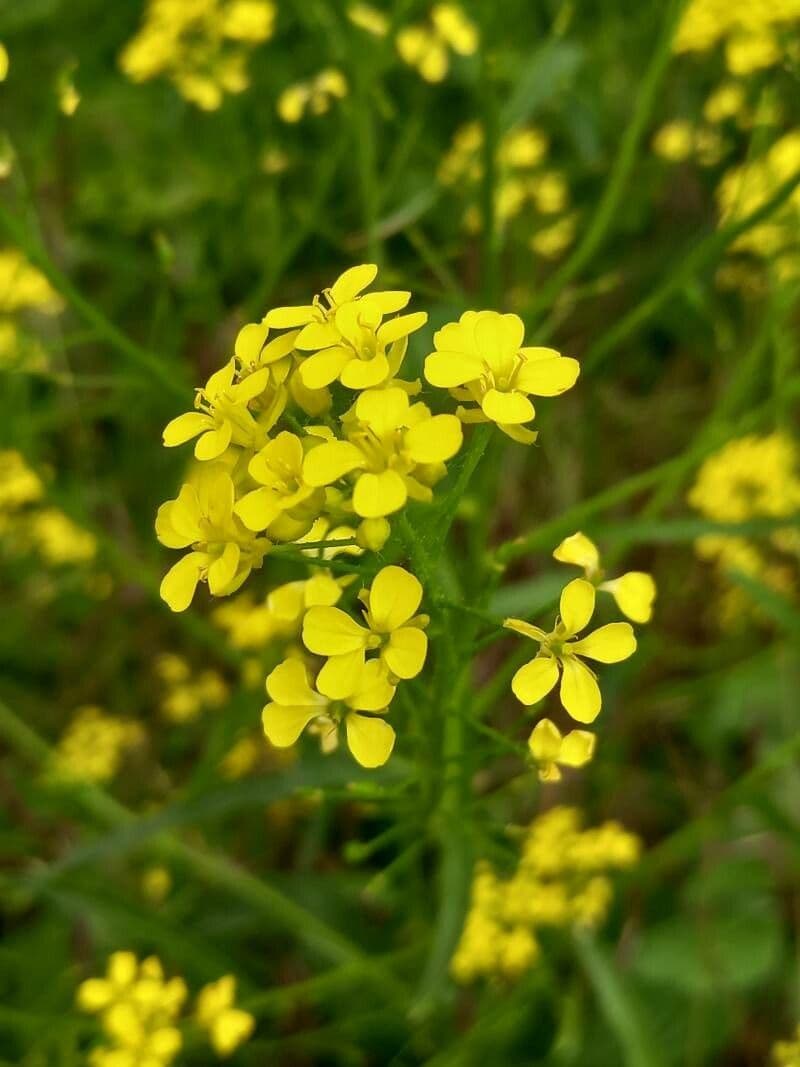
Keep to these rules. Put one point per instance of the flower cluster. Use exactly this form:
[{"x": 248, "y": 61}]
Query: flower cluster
[
  {"x": 751, "y": 477},
  {"x": 756, "y": 33},
  {"x": 23, "y": 289},
  {"x": 140, "y": 1012},
  {"x": 313, "y": 97},
  {"x": 562, "y": 880},
  {"x": 525, "y": 187},
  {"x": 427, "y": 47},
  {"x": 93, "y": 746},
  {"x": 201, "y": 46},
  {"x": 187, "y": 695}
]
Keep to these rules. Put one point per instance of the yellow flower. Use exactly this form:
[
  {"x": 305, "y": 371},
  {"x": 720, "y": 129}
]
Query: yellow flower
[
  {"x": 634, "y": 592},
  {"x": 23, "y": 286},
  {"x": 480, "y": 358},
  {"x": 369, "y": 19},
  {"x": 560, "y": 652},
  {"x": 392, "y": 629},
  {"x": 725, "y": 102},
  {"x": 787, "y": 1053},
  {"x": 228, "y": 1026},
  {"x": 314, "y": 96},
  {"x": 93, "y": 746},
  {"x": 59, "y": 540},
  {"x": 223, "y": 552},
  {"x": 674, "y": 141},
  {"x": 4, "y": 62},
  {"x": 98, "y": 994},
  {"x": 223, "y": 416},
  {"x": 294, "y": 704},
  {"x": 19, "y": 485},
  {"x": 278, "y": 468},
  {"x": 393, "y": 449},
  {"x": 426, "y": 47},
  {"x": 550, "y": 748}
]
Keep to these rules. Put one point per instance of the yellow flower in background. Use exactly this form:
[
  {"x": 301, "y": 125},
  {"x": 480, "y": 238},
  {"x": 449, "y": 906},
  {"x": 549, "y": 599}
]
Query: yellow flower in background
[
  {"x": 223, "y": 552},
  {"x": 552, "y": 750},
  {"x": 393, "y": 450},
  {"x": 19, "y": 485},
  {"x": 228, "y": 1027},
  {"x": 313, "y": 97},
  {"x": 68, "y": 96},
  {"x": 753, "y": 30},
  {"x": 294, "y": 704},
  {"x": 93, "y": 746},
  {"x": 201, "y": 46},
  {"x": 58, "y": 539},
  {"x": 634, "y": 591},
  {"x": 369, "y": 19},
  {"x": 5, "y": 63},
  {"x": 787, "y": 1053},
  {"x": 156, "y": 884},
  {"x": 560, "y": 653},
  {"x": 393, "y": 630},
  {"x": 675, "y": 141},
  {"x": 22, "y": 286},
  {"x": 550, "y": 241},
  {"x": 480, "y": 359},
  {"x": 427, "y": 47}
]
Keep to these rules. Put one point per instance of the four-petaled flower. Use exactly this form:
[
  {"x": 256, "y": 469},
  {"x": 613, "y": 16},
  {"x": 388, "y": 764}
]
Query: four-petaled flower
[
  {"x": 278, "y": 468},
  {"x": 560, "y": 652},
  {"x": 294, "y": 704},
  {"x": 392, "y": 630},
  {"x": 634, "y": 591},
  {"x": 228, "y": 1026},
  {"x": 550, "y": 748},
  {"x": 480, "y": 359}
]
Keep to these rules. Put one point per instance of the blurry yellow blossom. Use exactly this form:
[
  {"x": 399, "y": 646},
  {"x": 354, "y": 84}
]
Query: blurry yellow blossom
[
  {"x": 753, "y": 30},
  {"x": 369, "y": 19},
  {"x": 273, "y": 160},
  {"x": 93, "y": 746},
  {"x": 561, "y": 880},
  {"x": 560, "y": 651},
  {"x": 68, "y": 96},
  {"x": 242, "y": 757},
  {"x": 280, "y": 615},
  {"x": 427, "y": 47},
  {"x": 550, "y": 241},
  {"x": 314, "y": 96},
  {"x": 634, "y": 592},
  {"x": 726, "y": 102},
  {"x": 19, "y": 485},
  {"x": 552, "y": 750},
  {"x": 787, "y": 1053},
  {"x": 58, "y": 539},
  {"x": 216, "y": 1012},
  {"x": 201, "y": 46},
  {"x": 186, "y": 696},
  {"x": 23, "y": 286},
  {"x": 480, "y": 359},
  {"x": 4, "y": 62},
  {"x": 674, "y": 141},
  {"x": 156, "y": 884}
]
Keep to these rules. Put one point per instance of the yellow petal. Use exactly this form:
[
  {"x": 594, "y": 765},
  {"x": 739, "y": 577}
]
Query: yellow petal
[
  {"x": 447, "y": 370},
  {"x": 401, "y": 326},
  {"x": 213, "y": 443},
  {"x": 384, "y": 410},
  {"x": 339, "y": 676},
  {"x": 406, "y": 651},
  {"x": 536, "y": 633},
  {"x": 317, "y": 335},
  {"x": 578, "y": 549},
  {"x": 230, "y": 1030},
  {"x": 376, "y": 305},
  {"x": 180, "y": 581},
  {"x": 258, "y": 509},
  {"x": 547, "y": 375},
  {"x": 287, "y": 317},
  {"x": 328, "y": 631},
  {"x": 577, "y": 605},
  {"x": 608, "y": 644},
  {"x": 365, "y": 374},
  {"x": 370, "y": 740},
  {"x": 545, "y": 741},
  {"x": 580, "y": 693},
  {"x": 510, "y": 408},
  {"x": 223, "y": 570},
  {"x": 378, "y": 495},
  {"x": 249, "y": 342},
  {"x": 281, "y": 456},
  {"x": 535, "y": 679},
  {"x": 95, "y": 994},
  {"x": 322, "y": 368},
  {"x": 185, "y": 427},
  {"x": 374, "y": 691},
  {"x": 328, "y": 462},
  {"x": 577, "y": 748},
  {"x": 394, "y": 597},
  {"x": 434, "y": 440},
  {"x": 288, "y": 684},
  {"x": 498, "y": 339},
  {"x": 634, "y": 593},
  {"x": 348, "y": 285},
  {"x": 283, "y": 723}
]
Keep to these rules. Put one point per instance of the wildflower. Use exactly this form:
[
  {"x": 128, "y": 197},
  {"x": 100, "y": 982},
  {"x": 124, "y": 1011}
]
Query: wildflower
[
  {"x": 634, "y": 591},
  {"x": 550, "y": 241},
  {"x": 23, "y": 286},
  {"x": 550, "y": 749},
  {"x": 314, "y": 96},
  {"x": 156, "y": 884},
  {"x": 294, "y": 704},
  {"x": 560, "y": 652},
  {"x": 725, "y": 102},
  {"x": 58, "y": 539},
  {"x": 223, "y": 552},
  {"x": 278, "y": 468},
  {"x": 68, "y": 96},
  {"x": 223, "y": 416},
  {"x": 369, "y": 19},
  {"x": 480, "y": 359},
  {"x": 228, "y": 1026},
  {"x": 787, "y": 1053},
  {"x": 392, "y": 629},
  {"x": 93, "y": 746},
  {"x": 749, "y": 30},
  {"x": 427, "y": 47},
  {"x": 19, "y": 485},
  {"x": 392, "y": 449},
  {"x": 674, "y": 141}
]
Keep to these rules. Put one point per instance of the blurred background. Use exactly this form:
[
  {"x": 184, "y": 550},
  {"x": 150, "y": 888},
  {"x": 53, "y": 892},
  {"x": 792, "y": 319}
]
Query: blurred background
[{"x": 625, "y": 177}]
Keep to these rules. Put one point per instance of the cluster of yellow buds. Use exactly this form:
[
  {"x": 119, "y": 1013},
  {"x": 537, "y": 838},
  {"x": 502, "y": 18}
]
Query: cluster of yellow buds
[
  {"x": 562, "y": 651},
  {"x": 751, "y": 477},
  {"x": 27, "y": 523},
  {"x": 187, "y": 695},
  {"x": 524, "y": 184},
  {"x": 201, "y": 46},
  {"x": 427, "y": 47},
  {"x": 756, "y": 33},
  {"x": 562, "y": 880},
  {"x": 140, "y": 1012},
  {"x": 93, "y": 746}
]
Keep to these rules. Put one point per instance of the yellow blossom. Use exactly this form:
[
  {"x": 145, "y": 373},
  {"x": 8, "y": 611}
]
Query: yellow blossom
[
  {"x": 93, "y": 746},
  {"x": 551, "y": 749},
  {"x": 314, "y": 96},
  {"x": 560, "y": 652},
  {"x": 4, "y": 62},
  {"x": 19, "y": 485},
  {"x": 427, "y": 47},
  {"x": 725, "y": 102},
  {"x": 369, "y": 19},
  {"x": 228, "y": 1026},
  {"x": 787, "y": 1053},
  {"x": 23, "y": 286},
  {"x": 481, "y": 359},
  {"x": 674, "y": 141},
  {"x": 634, "y": 591}
]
